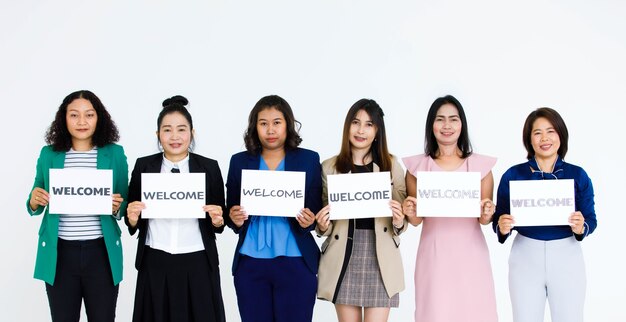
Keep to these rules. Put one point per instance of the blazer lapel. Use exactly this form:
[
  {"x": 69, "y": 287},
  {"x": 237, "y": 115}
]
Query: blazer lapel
[
  {"x": 290, "y": 161},
  {"x": 193, "y": 164},
  {"x": 253, "y": 161},
  {"x": 58, "y": 160},
  {"x": 154, "y": 164},
  {"x": 104, "y": 159}
]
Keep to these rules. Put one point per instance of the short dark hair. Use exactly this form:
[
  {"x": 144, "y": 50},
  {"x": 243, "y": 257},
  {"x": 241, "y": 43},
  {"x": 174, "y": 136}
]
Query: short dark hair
[
  {"x": 379, "y": 150},
  {"x": 430, "y": 142},
  {"x": 60, "y": 138},
  {"x": 177, "y": 104},
  {"x": 557, "y": 122},
  {"x": 251, "y": 136}
]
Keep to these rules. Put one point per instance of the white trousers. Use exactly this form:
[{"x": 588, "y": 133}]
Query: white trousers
[{"x": 552, "y": 270}]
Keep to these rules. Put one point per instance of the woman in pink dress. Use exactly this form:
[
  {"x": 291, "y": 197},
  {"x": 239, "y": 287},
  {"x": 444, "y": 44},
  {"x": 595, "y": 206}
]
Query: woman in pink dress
[{"x": 453, "y": 280}]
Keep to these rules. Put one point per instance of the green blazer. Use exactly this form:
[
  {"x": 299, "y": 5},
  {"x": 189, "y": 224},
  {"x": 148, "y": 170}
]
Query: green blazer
[{"x": 110, "y": 156}]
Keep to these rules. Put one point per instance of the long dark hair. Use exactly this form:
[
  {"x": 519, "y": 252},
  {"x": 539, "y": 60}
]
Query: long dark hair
[
  {"x": 430, "y": 142},
  {"x": 60, "y": 138},
  {"x": 177, "y": 104},
  {"x": 557, "y": 122},
  {"x": 251, "y": 136},
  {"x": 379, "y": 151}
]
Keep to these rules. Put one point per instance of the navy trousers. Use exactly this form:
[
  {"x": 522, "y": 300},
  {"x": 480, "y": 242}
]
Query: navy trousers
[{"x": 280, "y": 289}]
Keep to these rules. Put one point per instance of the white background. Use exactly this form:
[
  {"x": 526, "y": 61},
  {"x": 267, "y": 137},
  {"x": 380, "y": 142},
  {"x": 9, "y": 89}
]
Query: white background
[{"x": 501, "y": 59}]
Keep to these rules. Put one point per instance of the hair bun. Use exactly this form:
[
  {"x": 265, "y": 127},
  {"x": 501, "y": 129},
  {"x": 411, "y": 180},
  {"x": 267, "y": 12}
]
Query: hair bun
[{"x": 175, "y": 100}]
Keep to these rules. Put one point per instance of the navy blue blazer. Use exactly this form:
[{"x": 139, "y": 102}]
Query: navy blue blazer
[
  {"x": 295, "y": 160},
  {"x": 214, "y": 195}
]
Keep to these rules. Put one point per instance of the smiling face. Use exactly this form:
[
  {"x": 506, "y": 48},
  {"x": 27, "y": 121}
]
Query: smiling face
[
  {"x": 447, "y": 126},
  {"x": 175, "y": 136},
  {"x": 544, "y": 139},
  {"x": 81, "y": 119},
  {"x": 362, "y": 131},
  {"x": 272, "y": 129}
]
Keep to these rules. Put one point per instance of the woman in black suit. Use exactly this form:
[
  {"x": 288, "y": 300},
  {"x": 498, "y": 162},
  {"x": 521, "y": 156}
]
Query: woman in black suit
[{"x": 177, "y": 259}]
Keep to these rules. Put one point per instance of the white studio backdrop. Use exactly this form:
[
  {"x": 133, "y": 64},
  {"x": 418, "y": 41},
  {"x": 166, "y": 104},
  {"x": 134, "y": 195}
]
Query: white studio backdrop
[{"x": 501, "y": 59}]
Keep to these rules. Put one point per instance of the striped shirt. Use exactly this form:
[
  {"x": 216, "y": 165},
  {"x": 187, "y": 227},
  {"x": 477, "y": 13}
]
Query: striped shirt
[{"x": 80, "y": 227}]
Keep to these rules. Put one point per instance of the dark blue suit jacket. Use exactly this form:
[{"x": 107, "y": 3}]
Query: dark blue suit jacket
[{"x": 295, "y": 160}]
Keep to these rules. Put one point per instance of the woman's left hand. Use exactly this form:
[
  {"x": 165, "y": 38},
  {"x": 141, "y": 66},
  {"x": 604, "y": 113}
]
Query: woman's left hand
[
  {"x": 305, "y": 218},
  {"x": 117, "y": 202},
  {"x": 215, "y": 212},
  {"x": 577, "y": 221},
  {"x": 398, "y": 215},
  {"x": 487, "y": 209}
]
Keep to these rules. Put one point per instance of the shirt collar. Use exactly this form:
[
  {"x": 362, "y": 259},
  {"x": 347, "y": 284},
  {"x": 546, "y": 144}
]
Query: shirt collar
[
  {"x": 182, "y": 165},
  {"x": 557, "y": 171}
]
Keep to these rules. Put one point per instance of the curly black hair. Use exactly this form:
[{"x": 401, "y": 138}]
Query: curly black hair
[{"x": 59, "y": 137}]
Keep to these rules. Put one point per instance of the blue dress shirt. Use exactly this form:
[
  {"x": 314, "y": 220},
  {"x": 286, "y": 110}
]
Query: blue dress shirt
[{"x": 583, "y": 193}]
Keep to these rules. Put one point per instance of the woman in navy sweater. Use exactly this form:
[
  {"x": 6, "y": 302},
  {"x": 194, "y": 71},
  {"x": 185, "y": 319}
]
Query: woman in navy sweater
[{"x": 546, "y": 262}]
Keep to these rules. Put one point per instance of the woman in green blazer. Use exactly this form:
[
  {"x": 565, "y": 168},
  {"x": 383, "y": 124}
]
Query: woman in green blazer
[{"x": 79, "y": 257}]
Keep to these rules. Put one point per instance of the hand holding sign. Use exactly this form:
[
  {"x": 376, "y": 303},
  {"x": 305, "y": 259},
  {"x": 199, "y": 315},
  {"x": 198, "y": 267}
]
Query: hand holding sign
[
  {"x": 215, "y": 212},
  {"x": 577, "y": 221},
  {"x": 305, "y": 218},
  {"x": 117, "y": 202},
  {"x": 38, "y": 197},
  {"x": 506, "y": 223},
  {"x": 238, "y": 215},
  {"x": 133, "y": 211},
  {"x": 323, "y": 219},
  {"x": 409, "y": 208},
  {"x": 488, "y": 208},
  {"x": 398, "y": 216}
]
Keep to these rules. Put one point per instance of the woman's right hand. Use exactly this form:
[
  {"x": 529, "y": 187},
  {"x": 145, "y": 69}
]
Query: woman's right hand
[
  {"x": 134, "y": 211},
  {"x": 238, "y": 215},
  {"x": 409, "y": 208},
  {"x": 323, "y": 218},
  {"x": 506, "y": 223},
  {"x": 38, "y": 197}
]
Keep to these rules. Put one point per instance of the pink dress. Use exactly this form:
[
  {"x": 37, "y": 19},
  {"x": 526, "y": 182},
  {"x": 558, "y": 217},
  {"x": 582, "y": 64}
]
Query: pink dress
[{"x": 453, "y": 279}]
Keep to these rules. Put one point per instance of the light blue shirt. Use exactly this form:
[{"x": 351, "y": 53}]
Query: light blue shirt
[{"x": 269, "y": 237}]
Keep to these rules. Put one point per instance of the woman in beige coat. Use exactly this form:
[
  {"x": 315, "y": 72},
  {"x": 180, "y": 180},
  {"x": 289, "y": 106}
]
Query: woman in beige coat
[{"x": 361, "y": 269}]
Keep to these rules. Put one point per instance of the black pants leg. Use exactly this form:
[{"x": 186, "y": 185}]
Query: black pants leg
[{"x": 83, "y": 272}]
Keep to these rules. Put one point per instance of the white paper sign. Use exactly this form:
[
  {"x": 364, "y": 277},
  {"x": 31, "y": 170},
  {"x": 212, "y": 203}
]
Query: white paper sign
[
  {"x": 359, "y": 195},
  {"x": 272, "y": 193},
  {"x": 542, "y": 202},
  {"x": 448, "y": 194},
  {"x": 81, "y": 191},
  {"x": 173, "y": 195}
]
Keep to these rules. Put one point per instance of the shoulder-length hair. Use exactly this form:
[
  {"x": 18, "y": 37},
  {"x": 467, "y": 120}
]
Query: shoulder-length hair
[
  {"x": 430, "y": 142},
  {"x": 557, "y": 122},
  {"x": 60, "y": 138},
  {"x": 251, "y": 136},
  {"x": 176, "y": 104},
  {"x": 378, "y": 150}
]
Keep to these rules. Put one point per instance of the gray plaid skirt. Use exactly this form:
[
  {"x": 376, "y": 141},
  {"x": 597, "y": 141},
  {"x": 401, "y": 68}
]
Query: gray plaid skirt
[{"x": 362, "y": 284}]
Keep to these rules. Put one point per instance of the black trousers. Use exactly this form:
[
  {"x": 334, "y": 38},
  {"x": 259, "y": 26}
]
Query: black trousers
[{"x": 83, "y": 273}]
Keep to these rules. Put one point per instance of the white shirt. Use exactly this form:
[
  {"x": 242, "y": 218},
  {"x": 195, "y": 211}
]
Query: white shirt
[{"x": 175, "y": 236}]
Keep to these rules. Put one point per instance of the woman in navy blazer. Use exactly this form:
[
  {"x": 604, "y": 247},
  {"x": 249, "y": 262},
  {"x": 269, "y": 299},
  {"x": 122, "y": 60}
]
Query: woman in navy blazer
[
  {"x": 276, "y": 259},
  {"x": 177, "y": 259}
]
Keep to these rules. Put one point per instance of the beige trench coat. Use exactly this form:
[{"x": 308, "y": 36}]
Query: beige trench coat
[{"x": 387, "y": 240}]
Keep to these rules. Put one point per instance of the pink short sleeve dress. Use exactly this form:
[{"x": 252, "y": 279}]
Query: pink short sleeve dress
[{"x": 453, "y": 279}]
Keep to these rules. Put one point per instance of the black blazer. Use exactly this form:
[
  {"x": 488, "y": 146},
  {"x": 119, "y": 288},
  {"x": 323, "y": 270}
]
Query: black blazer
[
  {"x": 295, "y": 160},
  {"x": 214, "y": 196}
]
